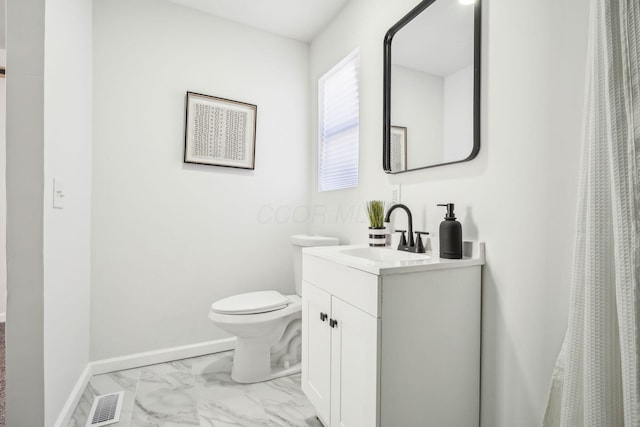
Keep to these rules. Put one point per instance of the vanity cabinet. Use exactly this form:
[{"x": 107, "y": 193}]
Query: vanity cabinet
[
  {"x": 340, "y": 367},
  {"x": 391, "y": 347}
]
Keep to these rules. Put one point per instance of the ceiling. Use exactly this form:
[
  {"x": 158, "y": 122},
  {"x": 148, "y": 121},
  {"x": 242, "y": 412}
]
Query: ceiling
[
  {"x": 300, "y": 20},
  {"x": 439, "y": 41}
]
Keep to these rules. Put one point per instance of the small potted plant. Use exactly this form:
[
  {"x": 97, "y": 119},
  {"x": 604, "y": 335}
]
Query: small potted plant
[{"x": 377, "y": 231}]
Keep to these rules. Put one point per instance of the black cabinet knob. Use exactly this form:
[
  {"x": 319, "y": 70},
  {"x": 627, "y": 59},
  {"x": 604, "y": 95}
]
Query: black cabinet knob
[{"x": 324, "y": 316}]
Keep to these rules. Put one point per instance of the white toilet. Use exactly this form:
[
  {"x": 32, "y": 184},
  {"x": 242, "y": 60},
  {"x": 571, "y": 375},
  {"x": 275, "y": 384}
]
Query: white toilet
[{"x": 267, "y": 324}]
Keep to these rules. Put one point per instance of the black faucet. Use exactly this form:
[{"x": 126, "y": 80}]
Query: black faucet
[
  {"x": 404, "y": 246},
  {"x": 387, "y": 218}
]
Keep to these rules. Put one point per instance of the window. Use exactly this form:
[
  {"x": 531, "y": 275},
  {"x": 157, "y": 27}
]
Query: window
[{"x": 338, "y": 125}]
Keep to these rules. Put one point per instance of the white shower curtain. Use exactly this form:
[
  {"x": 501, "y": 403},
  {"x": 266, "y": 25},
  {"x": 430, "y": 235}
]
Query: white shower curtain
[{"x": 595, "y": 381}]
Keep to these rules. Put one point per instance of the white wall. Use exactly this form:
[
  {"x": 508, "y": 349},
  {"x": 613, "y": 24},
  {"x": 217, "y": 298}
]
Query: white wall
[
  {"x": 418, "y": 104},
  {"x": 458, "y": 115},
  {"x": 3, "y": 188},
  {"x": 170, "y": 238},
  {"x": 25, "y": 196},
  {"x": 48, "y": 134},
  {"x": 437, "y": 112},
  {"x": 67, "y": 245},
  {"x": 518, "y": 195}
]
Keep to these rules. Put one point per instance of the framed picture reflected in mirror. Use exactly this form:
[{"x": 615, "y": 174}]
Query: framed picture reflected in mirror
[{"x": 398, "y": 148}]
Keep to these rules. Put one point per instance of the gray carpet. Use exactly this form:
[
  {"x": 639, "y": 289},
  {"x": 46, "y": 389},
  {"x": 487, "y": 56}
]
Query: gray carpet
[{"x": 2, "y": 374}]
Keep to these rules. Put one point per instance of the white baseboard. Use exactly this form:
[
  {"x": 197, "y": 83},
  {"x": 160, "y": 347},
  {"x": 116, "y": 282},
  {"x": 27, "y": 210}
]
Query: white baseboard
[
  {"x": 160, "y": 356},
  {"x": 74, "y": 397},
  {"x": 3, "y": 317},
  {"x": 137, "y": 360}
]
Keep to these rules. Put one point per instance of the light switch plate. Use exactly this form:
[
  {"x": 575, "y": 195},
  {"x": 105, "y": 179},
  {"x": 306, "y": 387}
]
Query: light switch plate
[
  {"x": 58, "y": 194},
  {"x": 395, "y": 193}
]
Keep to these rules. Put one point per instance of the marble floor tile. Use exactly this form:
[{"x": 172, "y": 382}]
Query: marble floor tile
[
  {"x": 80, "y": 414},
  {"x": 167, "y": 368},
  {"x": 285, "y": 403},
  {"x": 212, "y": 364},
  {"x": 212, "y": 375},
  {"x": 222, "y": 402},
  {"x": 244, "y": 411},
  {"x": 199, "y": 392},
  {"x": 105, "y": 384},
  {"x": 165, "y": 396}
]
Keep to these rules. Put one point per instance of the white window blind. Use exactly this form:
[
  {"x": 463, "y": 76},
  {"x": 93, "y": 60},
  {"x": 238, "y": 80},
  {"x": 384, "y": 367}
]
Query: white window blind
[{"x": 338, "y": 125}]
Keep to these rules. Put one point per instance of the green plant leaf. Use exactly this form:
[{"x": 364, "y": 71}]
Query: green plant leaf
[{"x": 375, "y": 210}]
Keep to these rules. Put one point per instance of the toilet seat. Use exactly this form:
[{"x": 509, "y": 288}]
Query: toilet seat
[
  {"x": 251, "y": 303},
  {"x": 252, "y": 320}
]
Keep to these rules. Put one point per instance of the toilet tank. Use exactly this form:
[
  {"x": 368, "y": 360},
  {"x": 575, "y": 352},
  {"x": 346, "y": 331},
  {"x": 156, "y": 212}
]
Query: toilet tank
[{"x": 300, "y": 241}]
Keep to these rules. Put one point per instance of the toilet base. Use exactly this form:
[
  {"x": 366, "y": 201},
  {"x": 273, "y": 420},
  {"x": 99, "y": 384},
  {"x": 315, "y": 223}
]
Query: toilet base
[
  {"x": 252, "y": 362},
  {"x": 268, "y": 345},
  {"x": 259, "y": 359}
]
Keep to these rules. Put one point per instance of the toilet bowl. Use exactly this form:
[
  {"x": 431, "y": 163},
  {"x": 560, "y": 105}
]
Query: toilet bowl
[{"x": 267, "y": 324}]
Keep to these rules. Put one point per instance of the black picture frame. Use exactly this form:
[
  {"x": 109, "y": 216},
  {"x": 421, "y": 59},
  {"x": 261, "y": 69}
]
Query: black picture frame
[{"x": 219, "y": 131}]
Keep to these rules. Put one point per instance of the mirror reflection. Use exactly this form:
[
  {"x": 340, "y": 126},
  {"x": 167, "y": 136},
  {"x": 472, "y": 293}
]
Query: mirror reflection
[{"x": 431, "y": 78}]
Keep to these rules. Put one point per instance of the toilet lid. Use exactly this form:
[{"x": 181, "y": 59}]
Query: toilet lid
[{"x": 251, "y": 303}]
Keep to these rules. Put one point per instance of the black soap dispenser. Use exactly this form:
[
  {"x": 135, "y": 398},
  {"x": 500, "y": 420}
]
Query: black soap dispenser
[{"x": 450, "y": 235}]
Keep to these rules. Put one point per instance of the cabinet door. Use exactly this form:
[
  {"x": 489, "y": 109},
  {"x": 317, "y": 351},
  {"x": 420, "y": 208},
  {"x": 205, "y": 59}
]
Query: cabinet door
[
  {"x": 316, "y": 349},
  {"x": 354, "y": 366}
]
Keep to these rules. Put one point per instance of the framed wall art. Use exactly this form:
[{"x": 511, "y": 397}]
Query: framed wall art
[{"x": 219, "y": 132}]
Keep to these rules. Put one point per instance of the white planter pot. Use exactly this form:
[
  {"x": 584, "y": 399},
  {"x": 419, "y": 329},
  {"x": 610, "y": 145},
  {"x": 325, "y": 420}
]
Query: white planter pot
[{"x": 377, "y": 236}]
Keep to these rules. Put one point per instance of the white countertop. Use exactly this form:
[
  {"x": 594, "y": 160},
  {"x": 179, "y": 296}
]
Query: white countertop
[{"x": 473, "y": 254}]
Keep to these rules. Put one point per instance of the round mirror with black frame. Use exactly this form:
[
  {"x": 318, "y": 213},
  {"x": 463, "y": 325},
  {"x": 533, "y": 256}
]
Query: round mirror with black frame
[{"x": 432, "y": 86}]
